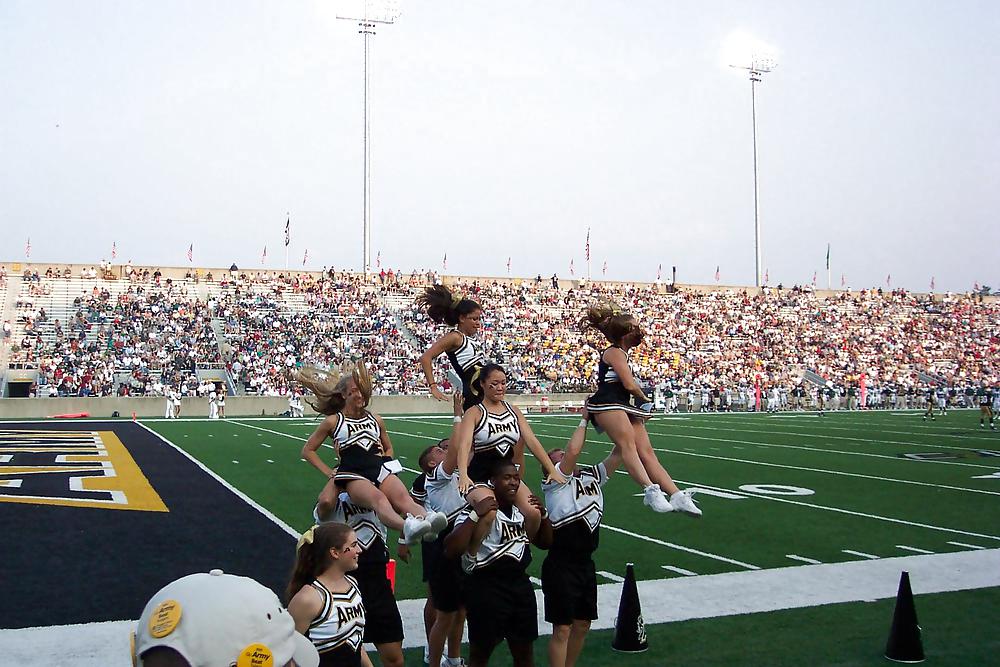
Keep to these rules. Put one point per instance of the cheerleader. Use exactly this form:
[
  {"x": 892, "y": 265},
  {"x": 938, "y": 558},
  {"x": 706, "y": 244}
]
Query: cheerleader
[
  {"x": 367, "y": 469},
  {"x": 492, "y": 431},
  {"x": 324, "y": 601},
  {"x": 221, "y": 404},
  {"x": 464, "y": 350},
  {"x": 612, "y": 412}
]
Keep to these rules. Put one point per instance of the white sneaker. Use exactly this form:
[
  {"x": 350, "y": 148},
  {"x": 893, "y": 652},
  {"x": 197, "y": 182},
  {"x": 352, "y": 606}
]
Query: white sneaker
[
  {"x": 448, "y": 662},
  {"x": 438, "y": 521},
  {"x": 414, "y": 528},
  {"x": 683, "y": 502},
  {"x": 655, "y": 499}
]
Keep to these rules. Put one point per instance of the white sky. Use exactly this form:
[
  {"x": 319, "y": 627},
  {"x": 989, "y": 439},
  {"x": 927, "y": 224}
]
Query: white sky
[{"x": 506, "y": 129}]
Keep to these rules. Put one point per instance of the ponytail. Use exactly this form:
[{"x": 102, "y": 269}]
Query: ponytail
[
  {"x": 312, "y": 555},
  {"x": 609, "y": 319},
  {"x": 444, "y": 306}
]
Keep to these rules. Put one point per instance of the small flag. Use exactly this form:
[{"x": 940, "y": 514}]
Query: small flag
[
  {"x": 888, "y": 280},
  {"x": 932, "y": 283},
  {"x": 716, "y": 274},
  {"x": 814, "y": 279},
  {"x": 827, "y": 256},
  {"x": 508, "y": 265},
  {"x": 114, "y": 250},
  {"x": 767, "y": 276},
  {"x": 378, "y": 260},
  {"x": 444, "y": 262},
  {"x": 843, "y": 280},
  {"x": 571, "y": 268},
  {"x": 305, "y": 258},
  {"x": 288, "y": 230},
  {"x": 659, "y": 272},
  {"x": 27, "y": 248},
  {"x": 263, "y": 255},
  {"x": 604, "y": 271},
  {"x": 191, "y": 253},
  {"x": 588, "y": 244}
]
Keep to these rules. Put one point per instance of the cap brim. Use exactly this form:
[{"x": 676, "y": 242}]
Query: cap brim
[{"x": 305, "y": 654}]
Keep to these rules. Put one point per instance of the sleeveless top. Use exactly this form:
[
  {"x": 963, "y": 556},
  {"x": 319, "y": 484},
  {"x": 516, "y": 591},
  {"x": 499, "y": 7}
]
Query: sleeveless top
[
  {"x": 338, "y": 629},
  {"x": 467, "y": 360},
  {"x": 357, "y": 439},
  {"x": 493, "y": 439}
]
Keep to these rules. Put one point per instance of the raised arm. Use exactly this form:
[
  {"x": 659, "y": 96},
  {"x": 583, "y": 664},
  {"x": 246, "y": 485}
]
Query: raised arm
[
  {"x": 460, "y": 449},
  {"x": 618, "y": 361},
  {"x": 322, "y": 432},
  {"x": 536, "y": 448},
  {"x": 575, "y": 446},
  {"x": 451, "y": 459},
  {"x": 383, "y": 438},
  {"x": 445, "y": 343}
]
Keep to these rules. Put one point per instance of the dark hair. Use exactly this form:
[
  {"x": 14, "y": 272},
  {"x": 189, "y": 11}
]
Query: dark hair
[
  {"x": 444, "y": 306},
  {"x": 501, "y": 465},
  {"x": 422, "y": 460},
  {"x": 485, "y": 372},
  {"x": 312, "y": 558},
  {"x": 610, "y": 320}
]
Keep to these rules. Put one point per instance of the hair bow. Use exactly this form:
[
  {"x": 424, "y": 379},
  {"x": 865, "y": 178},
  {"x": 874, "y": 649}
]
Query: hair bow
[
  {"x": 307, "y": 538},
  {"x": 456, "y": 298}
]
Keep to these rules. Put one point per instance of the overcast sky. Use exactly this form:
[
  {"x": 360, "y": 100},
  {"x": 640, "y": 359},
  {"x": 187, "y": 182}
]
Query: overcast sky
[{"x": 506, "y": 129}]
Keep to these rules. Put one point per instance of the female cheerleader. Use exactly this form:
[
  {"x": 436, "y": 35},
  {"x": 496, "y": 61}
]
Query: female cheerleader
[
  {"x": 367, "y": 469},
  {"x": 612, "y": 412},
  {"x": 464, "y": 350},
  {"x": 324, "y": 600},
  {"x": 492, "y": 431}
]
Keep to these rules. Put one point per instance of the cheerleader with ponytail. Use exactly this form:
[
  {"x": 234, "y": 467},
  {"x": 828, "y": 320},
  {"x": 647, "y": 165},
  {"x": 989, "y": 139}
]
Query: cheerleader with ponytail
[
  {"x": 464, "y": 350},
  {"x": 324, "y": 600},
  {"x": 612, "y": 411},
  {"x": 367, "y": 469}
]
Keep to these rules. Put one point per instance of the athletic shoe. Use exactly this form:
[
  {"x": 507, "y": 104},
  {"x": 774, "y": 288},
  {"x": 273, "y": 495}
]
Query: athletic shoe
[
  {"x": 448, "y": 662},
  {"x": 414, "y": 528},
  {"x": 438, "y": 523},
  {"x": 427, "y": 655},
  {"x": 655, "y": 499},
  {"x": 683, "y": 502}
]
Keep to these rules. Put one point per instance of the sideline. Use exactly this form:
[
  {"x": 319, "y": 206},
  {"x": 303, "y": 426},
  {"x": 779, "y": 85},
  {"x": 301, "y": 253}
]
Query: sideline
[{"x": 663, "y": 601}]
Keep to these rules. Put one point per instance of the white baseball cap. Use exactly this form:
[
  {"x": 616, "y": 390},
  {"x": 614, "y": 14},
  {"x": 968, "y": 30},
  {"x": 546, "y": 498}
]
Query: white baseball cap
[{"x": 222, "y": 620}]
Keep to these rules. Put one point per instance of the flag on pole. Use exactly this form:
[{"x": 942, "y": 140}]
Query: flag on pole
[
  {"x": 508, "y": 265},
  {"x": 263, "y": 255},
  {"x": 827, "y": 256},
  {"x": 888, "y": 280},
  {"x": 588, "y": 244},
  {"x": 604, "y": 271},
  {"x": 305, "y": 258},
  {"x": 378, "y": 260},
  {"x": 288, "y": 230},
  {"x": 27, "y": 248},
  {"x": 716, "y": 274},
  {"x": 114, "y": 250},
  {"x": 932, "y": 283},
  {"x": 659, "y": 272},
  {"x": 571, "y": 268},
  {"x": 814, "y": 279},
  {"x": 843, "y": 280},
  {"x": 191, "y": 253},
  {"x": 767, "y": 276},
  {"x": 444, "y": 262}
]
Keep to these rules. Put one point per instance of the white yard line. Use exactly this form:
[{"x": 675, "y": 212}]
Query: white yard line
[
  {"x": 862, "y": 554},
  {"x": 679, "y": 547},
  {"x": 916, "y": 550},
  {"x": 967, "y": 546},
  {"x": 824, "y": 426},
  {"x": 679, "y": 570},
  {"x": 811, "y": 561},
  {"x": 662, "y": 601},
  {"x": 610, "y": 576}
]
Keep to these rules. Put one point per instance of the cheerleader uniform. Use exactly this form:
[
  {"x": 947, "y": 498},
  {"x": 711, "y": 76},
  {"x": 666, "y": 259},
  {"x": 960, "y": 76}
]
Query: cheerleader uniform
[
  {"x": 611, "y": 393},
  {"x": 467, "y": 361},
  {"x": 338, "y": 630},
  {"x": 492, "y": 440},
  {"x": 441, "y": 573},
  {"x": 360, "y": 446}
]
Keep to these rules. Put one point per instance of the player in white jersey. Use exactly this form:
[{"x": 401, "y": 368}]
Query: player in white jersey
[
  {"x": 464, "y": 350},
  {"x": 213, "y": 406},
  {"x": 170, "y": 413},
  {"x": 324, "y": 600},
  {"x": 294, "y": 404},
  {"x": 569, "y": 577},
  {"x": 491, "y": 431},
  {"x": 367, "y": 469},
  {"x": 492, "y": 541}
]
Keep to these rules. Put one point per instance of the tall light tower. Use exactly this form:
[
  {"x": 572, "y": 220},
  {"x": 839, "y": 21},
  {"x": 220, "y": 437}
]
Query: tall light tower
[
  {"x": 368, "y": 13},
  {"x": 759, "y": 65}
]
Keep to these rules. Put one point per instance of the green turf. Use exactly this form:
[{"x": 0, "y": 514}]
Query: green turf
[{"x": 958, "y": 629}]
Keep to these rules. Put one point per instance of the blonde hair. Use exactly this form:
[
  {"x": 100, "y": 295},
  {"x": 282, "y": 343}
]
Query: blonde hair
[
  {"x": 329, "y": 386},
  {"x": 608, "y": 318}
]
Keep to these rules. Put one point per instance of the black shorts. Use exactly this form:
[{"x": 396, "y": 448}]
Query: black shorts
[
  {"x": 570, "y": 589},
  {"x": 500, "y": 606},
  {"x": 427, "y": 556},
  {"x": 383, "y": 624},
  {"x": 374, "y": 469},
  {"x": 445, "y": 577}
]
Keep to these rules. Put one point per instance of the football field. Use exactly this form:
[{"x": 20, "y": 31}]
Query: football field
[{"x": 808, "y": 522}]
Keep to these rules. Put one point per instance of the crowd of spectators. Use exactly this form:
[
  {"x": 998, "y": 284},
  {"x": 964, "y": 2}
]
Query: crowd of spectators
[{"x": 149, "y": 332}]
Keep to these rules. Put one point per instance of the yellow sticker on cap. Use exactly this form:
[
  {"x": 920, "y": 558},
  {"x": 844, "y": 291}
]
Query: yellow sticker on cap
[
  {"x": 165, "y": 618},
  {"x": 255, "y": 655}
]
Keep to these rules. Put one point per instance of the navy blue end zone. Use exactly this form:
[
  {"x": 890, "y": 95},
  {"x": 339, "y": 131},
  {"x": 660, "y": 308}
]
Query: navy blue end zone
[{"x": 78, "y": 564}]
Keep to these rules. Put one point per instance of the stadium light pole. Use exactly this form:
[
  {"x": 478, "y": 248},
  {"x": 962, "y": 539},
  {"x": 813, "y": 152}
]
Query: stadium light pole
[
  {"x": 759, "y": 65},
  {"x": 368, "y": 14}
]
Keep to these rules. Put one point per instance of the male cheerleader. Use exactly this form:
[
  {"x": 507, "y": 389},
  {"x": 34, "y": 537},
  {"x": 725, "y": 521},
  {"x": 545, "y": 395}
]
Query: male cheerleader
[{"x": 984, "y": 396}]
